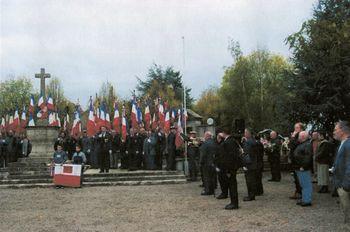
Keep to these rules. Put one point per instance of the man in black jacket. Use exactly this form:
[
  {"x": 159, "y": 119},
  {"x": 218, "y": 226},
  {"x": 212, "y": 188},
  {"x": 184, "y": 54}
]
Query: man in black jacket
[
  {"x": 250, "y": 150},
  {"x": 11, "y": 151},
  {"x": 134, "y": 149},
  {"x": 219, "y": 164},
  {"x": 207, "y": 154},
  {"x": 104, "y": 149},
  {"x": 273, "y": 151},
  {"x": 171, "y": 147},
  {"x": 230, "y": 164},
  {"x": 292, "y": 145},
  {"x": 303, "y": 160}
]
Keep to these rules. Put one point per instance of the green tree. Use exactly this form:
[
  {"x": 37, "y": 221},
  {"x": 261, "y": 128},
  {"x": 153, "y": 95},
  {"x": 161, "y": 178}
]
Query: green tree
[
  {"x": 166, "y": 84},
  {"x": 14, "y": 93},
  {"x": 321, "y": 51},
  {"x": 254, "y": 88},
  {"x": 209, "y": 104},
  {"x": 107, "y": 94}
]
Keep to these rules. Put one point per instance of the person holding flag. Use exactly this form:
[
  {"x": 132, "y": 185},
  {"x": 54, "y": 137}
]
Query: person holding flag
[
  {"x": 148, "y": 120},
  {"x": 91, "y": 125}
]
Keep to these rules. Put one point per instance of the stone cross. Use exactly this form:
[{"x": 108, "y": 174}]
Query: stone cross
[{"x": 42, "y": 75}]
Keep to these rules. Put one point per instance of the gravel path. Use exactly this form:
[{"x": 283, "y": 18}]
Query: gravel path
[{"x": 163, "y": 208}]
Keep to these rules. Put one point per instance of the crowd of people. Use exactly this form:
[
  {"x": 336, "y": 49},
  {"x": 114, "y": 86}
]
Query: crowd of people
[
  {"x": 13, "y": 146},
  {"x": 312, "y": 156},
  {"x": 106, "y": 150}
]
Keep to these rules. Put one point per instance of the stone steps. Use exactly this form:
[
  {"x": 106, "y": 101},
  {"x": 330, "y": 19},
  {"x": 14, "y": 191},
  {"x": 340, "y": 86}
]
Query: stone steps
[
  {"x": 92, "y": 179},
  {"x": 94, "y": 184},
  {"x": 90, "y": 172}
]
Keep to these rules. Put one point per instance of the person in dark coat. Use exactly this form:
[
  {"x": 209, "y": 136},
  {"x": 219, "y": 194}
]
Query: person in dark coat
[
  {"x": 94, "y": 153},
  {"x": 341, "y": 168},
  {"x": 161, "y": 144},
  {"x": 12, "y": 148},
  {"x": 273, "y": 151},
  {"x": 193, "y": 155},
  {"x": 62, "y": 139},
  {"x": 171, "y": 147},
  {"x": 292, "y": 145},
  {"x": 3, "y": 148},
  {"x": 134, "y": 149},
  {"x": 324, "y": 155},
  {"x": 141, "y": 159},
  {"x": 71, "y": 142},
  {"x": 260, "y": 167},
  {"x": 114, "y": 157},
  {"x": 219, "y": 167},
  {"x": 303, "y": 161},
  {"x": 230, "y": 164},
  {"x": 250, "y": 168},
  {"x": 25, "y": 146},
  {"x": 104, "y": 149},
  {"x": 86, "y": 144},
  {"x": 149, "y": 150},
  {"x": 207, "y": 154},
  {"x": 124, "y": 160}
]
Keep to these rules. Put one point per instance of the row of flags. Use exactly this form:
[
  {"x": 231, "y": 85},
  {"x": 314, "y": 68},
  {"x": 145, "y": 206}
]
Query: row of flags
[{"x": 163, "y": 117}]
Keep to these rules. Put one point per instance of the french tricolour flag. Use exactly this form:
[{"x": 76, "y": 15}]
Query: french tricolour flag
[
  {"x": 167, "y": 122},
  {"x": 124, "y": 128},
  {"x": 108, "y": 121},
  {"x": 116, "y": 119},
  {"x": 16, "y": 120},
  {"x": 134, "y": 114},
  {"x": 24, "y": 118},
  {"x": 91, "y": 125},
  {"x": 178, "y": 138},
  {"x": 76, "y": 128},
  {"x": 41, "y": 102},
  {"x": 50, "y": 105},
  {"x": 31, "y": 105},
  {"x": 3, "y": 124},
  {"x": 148, "y": 120},
  {"x": 31, "y": 120}
]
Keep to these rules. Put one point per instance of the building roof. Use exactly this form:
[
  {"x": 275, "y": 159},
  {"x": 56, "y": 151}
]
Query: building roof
[{"x": 193, "y": 114}]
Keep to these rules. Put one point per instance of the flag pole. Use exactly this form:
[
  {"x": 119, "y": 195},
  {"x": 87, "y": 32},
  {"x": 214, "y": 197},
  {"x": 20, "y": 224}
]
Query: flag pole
[{"x": 186, "y": 171}]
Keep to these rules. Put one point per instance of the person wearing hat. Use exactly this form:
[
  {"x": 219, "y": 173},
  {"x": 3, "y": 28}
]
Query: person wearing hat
[
  {"x": 171, "y": 147},
  {"x": 104, "y": 149},
  {"x": 193, "y": 154}
]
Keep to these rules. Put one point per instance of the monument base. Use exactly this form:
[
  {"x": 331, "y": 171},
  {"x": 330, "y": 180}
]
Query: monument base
[{"x": 42, "y": 139}]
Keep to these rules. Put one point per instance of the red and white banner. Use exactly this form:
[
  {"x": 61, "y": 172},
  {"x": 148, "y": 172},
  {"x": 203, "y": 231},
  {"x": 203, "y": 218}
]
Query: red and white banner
[{"x": 67, "y": 175}]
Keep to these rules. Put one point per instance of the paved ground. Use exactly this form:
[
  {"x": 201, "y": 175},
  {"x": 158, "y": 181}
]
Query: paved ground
[{"x": 162, "y": 208}]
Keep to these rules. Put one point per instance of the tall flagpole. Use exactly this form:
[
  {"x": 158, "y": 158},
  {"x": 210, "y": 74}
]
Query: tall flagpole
[{"x": 186, "y": 171}]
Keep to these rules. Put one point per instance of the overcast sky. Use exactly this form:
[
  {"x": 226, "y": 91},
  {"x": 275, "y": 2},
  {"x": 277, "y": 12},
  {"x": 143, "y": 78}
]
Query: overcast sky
[{"x": 86, "y": 42}]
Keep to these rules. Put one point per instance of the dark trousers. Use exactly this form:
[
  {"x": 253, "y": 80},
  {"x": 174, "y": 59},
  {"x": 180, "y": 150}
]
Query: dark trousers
[
  {"x": 296, "y": 182},
  {"x": 232, "y": 186},
  {"x": 250, "y": 179},
  {"x": 124, "y": 162},
  {"x": 158, "y": 159},
  {"x": 134, "y": 161},
  {"x": 223, "y": 181},
  {"x": 170, "y": 162},
  {"x": 192, "y": 166},
  {"x": 259, "y": 184},
  {"x": 275, "y": 169},
  {"x": 104, "y": 161},
  {"x": 209, "y": 176},
  {"x": 149, "y": 161}
]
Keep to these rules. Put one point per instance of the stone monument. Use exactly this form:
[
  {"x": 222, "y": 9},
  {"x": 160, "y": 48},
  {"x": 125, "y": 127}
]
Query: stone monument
[{"x": 42, "y": 136}]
